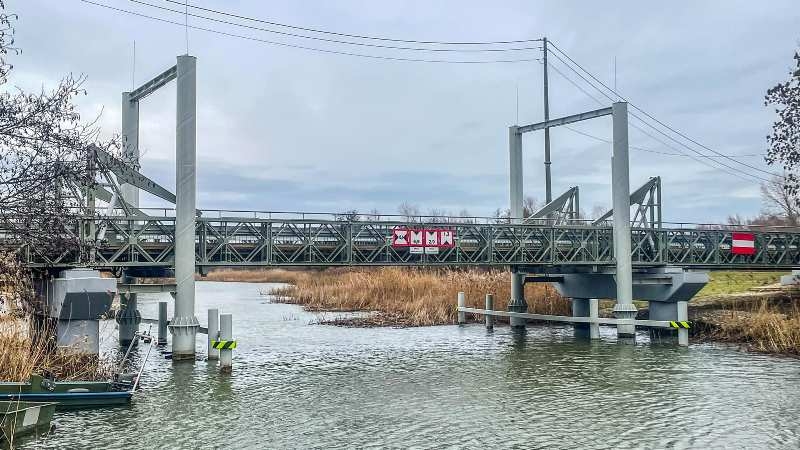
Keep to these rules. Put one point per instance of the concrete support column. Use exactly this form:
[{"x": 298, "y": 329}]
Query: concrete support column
[
  {"x": 580, "y": 308},
  {"x": 515, "y": 174},
  {"x": 184, "y": 324},
  {"x": 517, "y": 302},
  {"x": 489, "y": 319},
  {"x": 683, "y": 316},
  {"x": 162, "y": 323},
  {"x": 213, "y": 333},
  {"x": 128, "y": 319},
  {"x": 226, "y": 334},
  {"x": 594, "y": 313},
  {"x": 130, "y": 144},
  {"x": 462, "y": 302},
  {"x": 620, "y": 192}
]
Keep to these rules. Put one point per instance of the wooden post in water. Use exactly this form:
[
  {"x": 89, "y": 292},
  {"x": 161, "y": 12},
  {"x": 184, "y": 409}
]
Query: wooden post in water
[
  {"x": 462, "y": 302},
  {"x": 488, "y": 317}
]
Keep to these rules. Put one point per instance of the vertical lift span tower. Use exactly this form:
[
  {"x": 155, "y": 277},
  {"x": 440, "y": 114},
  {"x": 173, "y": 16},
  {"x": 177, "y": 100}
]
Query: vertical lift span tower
[{"x": 184, "y": 325}]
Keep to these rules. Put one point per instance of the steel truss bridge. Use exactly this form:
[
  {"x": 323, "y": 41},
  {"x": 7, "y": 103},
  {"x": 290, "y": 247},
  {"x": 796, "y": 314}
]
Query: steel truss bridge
[{"x": 147, "y": 241}]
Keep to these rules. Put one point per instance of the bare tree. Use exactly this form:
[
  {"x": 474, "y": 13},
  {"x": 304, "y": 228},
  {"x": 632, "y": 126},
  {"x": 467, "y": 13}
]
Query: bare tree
[
  {"x": 43, "y": 157},
  {"x": 409, "y": 212},
  {"x": 784, "y": 142},
  {"x": 779, "y": 202},
  {"x": 351, "y": 215},
  {"x": 597, "y": 211},
  {"x": 529, "y": 206}
]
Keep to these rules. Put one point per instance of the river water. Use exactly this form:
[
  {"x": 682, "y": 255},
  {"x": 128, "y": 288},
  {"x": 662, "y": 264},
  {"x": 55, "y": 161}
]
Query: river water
[{"x": 300, "y": 385}]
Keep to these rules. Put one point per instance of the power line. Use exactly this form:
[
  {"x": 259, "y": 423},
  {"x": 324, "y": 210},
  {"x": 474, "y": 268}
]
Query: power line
[
  {"x": 658, "y": 121},
  {"x": 579, "y": 87},
  {"x": 316, "y": 38},
  {"x": 336, "y": 41},
  {"x": 302, "y": 47},
  {"x": 357, "y": 36},
  {"x": 609, "y": 141},
  {"x": 736, "y": 172}
]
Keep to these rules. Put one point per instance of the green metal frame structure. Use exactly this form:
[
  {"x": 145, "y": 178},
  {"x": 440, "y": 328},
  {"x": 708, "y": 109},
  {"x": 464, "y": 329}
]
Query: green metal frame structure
[{"x": 145, "y": 241}]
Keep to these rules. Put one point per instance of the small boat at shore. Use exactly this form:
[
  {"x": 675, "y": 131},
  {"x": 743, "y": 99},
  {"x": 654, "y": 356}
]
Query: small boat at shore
[
  {"x": 18, "y": 418},
  {"x": 67, "y": 394}
]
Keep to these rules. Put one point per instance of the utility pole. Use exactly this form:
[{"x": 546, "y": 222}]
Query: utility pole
[{"x": 548, "y": 188}]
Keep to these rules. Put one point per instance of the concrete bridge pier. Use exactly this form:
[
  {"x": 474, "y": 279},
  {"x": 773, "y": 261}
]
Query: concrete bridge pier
[
  {"x": 128, "y": 317},
  {"x": 184, "y": 325},
  {"x": 517, "y": 302},
  {"x": 586, "y": 307},
  {"x": 675, "y": 312}
]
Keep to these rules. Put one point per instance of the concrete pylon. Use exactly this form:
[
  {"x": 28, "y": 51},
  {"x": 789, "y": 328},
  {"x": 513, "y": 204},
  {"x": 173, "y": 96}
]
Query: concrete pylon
[
  {"x": 517, "y": 301},
  {"x": 130, "y": 144},
  {"x": 620, "y": 192},
  {"x": 184, "y": 325}
]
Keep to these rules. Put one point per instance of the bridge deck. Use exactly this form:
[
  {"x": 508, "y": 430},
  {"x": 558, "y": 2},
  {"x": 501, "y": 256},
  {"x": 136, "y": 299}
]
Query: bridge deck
[{"x": 134, "y": 241}]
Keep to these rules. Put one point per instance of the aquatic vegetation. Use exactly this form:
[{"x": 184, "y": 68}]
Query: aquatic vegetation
[{"x": 409, "y": 296}]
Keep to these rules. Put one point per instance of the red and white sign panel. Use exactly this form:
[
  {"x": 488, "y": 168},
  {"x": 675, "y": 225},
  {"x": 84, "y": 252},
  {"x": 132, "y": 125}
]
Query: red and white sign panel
[
  {"x": 400, "y": 237},
  {"x": 743, "y": 244},
  {"x": 429, "y": 238}
]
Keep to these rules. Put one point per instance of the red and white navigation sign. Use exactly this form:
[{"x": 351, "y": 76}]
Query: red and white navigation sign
[
  {"x": 423, "y": 240},
  {"x": 400, "y": 237},
  {"x": 743, "y": 244}
]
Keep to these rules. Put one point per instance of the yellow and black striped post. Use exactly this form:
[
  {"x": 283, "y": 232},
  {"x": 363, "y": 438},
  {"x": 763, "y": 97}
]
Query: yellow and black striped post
[
  {"x": 225, "y": 343},
  {"x": 682, "y": 324}
]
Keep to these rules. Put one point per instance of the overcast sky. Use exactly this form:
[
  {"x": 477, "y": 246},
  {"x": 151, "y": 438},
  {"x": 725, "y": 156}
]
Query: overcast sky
[{"x": 289, "y": 129}]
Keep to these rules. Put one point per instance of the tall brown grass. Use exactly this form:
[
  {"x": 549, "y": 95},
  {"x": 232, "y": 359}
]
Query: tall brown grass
[
  {"x": 251, "y": 275},
  {"x": 411, "y": 297},
  {"x": 765, "y": 326},
  {"x": 21, "y": 355}
]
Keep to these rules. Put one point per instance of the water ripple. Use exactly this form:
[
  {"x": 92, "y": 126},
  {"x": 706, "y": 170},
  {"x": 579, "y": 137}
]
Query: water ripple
[{"x": 297, "y": 385}]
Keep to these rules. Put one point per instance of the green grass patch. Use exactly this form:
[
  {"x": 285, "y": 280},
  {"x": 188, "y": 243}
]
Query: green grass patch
[{"x": 732, "y": 282}]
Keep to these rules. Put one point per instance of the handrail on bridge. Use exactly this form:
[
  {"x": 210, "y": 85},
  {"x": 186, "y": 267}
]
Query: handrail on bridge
[{"x": 156, "y": 212}]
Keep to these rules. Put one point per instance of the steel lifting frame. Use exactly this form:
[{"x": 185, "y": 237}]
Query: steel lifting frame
[{"x": 647, "y": 200}]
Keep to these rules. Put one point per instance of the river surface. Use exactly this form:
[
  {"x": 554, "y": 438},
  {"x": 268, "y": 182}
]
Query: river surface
[{"x": 296, "y": 384}]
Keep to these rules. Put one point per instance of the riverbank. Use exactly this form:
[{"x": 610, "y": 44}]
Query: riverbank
[{"x": 750, "y": 309}]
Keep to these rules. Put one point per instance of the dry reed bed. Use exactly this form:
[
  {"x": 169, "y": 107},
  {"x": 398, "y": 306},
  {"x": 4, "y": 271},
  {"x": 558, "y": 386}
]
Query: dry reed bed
[
  {"x": 20, "y": 356},
  {"x": 764, "y": 326},
  {"x": 410, "y": 297}
]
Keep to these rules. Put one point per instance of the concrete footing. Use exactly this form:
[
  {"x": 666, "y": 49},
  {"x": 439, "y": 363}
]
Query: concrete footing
[
  {"x": 670, "y": 311},
  {"x": 517, "y": 302},
  {"x": 76, "y": 300},
  {"x": 128, "y": 319},
  {"x": 586, "y": 307},
  {"x": 625, "y": 311}
]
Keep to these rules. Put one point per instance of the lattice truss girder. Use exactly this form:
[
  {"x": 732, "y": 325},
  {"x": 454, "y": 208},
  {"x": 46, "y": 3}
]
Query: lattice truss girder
[{"x": 149, "y": 241}]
